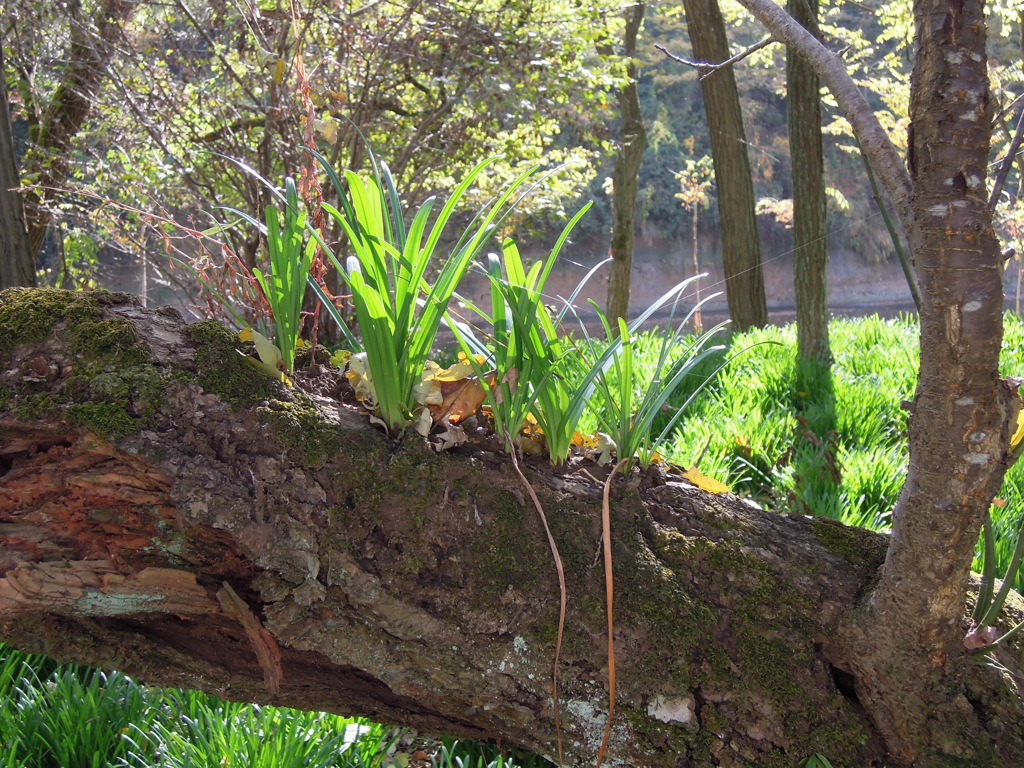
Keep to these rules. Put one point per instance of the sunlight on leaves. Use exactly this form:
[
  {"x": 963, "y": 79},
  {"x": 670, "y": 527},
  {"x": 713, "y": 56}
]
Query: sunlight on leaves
[
  {"x": 270, "y": 360},
  {"x": 1018, "y": 433},
  {"x": 705, "y": 483}
]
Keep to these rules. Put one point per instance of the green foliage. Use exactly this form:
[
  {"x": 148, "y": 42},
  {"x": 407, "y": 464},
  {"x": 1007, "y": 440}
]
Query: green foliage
[
  {"x": 432, "y": 85},
  {"x": 469, "y": 754},
  {"x": 832, "y": 445},
  {"x": 72, "y": 717},
  {"x": 285, "y": 284},
  {"x": 211, "y": 733},
  {"x": 66, "y": 716},
  {"x": 524, "y": 347},
  {"x": 399, "y": 312},
  {"x": 629, "y": 404}
]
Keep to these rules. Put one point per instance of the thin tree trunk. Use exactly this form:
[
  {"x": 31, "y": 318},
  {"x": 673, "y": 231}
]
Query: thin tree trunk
[
  {"x": 17, "y": 266},
  {"x": 810, "y": 245},
  {"x": 93, "y": 44},
  {"x": 626, "y": 175},
  {"x": 741, "y": 249},
  {"x": 962, "y": 412}
]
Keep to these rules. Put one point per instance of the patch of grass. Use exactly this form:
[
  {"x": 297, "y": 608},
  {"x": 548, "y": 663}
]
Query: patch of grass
[
  {"x": 826, "y": 442},
  {"x": 68, "y": 716}
]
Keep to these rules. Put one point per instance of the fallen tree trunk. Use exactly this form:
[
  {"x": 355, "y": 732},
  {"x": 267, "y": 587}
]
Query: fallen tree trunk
[{"x": 169, "y": 512}]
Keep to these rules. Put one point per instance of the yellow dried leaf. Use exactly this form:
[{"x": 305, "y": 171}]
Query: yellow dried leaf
[
  {"x": 279, "y": 70},
  {"x": 270, "y": 360},
  {"x": 1018, "y": 433},
  {"x": 584, "y": 441},
  {"x": 358, "y": 374},
  {"x": 428, "y": 391},
  {"x": 328, "y": 128},
  {"x": 463, "y": 369},
  {"x": 705, "y": 483}
]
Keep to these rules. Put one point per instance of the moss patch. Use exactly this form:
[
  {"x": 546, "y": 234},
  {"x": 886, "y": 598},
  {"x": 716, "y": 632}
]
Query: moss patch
[
  {"x": 28, "y": 315},
  {"x": 222, "y": 370},
  {"x": 861, "y": 547},
  {"x": 301, "y": 427}
]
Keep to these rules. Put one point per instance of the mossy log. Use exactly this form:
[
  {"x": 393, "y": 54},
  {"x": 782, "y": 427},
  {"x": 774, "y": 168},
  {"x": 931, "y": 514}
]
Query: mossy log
[{"x": 169, "y": 512}]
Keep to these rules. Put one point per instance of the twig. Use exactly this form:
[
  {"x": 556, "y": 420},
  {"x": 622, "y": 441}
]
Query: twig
[
  {"x": 1007, "y": 110},
  {"x": 706, "y": 69},
  {"x": 561, "y": 587},
  {"x": 1004, "y": 170},
  {"x": 606, "y": 524},
  {"x": 908, "y": 270}
]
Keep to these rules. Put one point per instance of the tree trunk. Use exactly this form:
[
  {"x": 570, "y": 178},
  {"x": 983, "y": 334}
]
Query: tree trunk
[
  {"x": 93, "y": 44},
  {"x": 810, "y": 243},
  {"x": 168, "y": 511},
  {"x": 741, "y": 248},
  {"x": 626, "y": 175},
  {"x": 963, "y": 412},
  {"x": 17, "y": 267}
]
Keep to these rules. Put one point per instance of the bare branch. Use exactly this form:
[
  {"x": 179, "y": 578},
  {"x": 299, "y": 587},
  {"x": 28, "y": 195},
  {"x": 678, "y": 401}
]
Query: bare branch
[
  {"x": 885, "y": 159},
  {"x": 706, "y": 69},
  {"x": 1007, "y": 162}
]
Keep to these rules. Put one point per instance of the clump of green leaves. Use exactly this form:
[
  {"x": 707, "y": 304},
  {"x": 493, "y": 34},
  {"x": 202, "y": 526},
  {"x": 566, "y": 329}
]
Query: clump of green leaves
[
  {"x": 630, "y": 403},
  {"x": 532, "y": 362},
  {"x": 291, "y": 256},
  {"x": 398, "y": 310}
]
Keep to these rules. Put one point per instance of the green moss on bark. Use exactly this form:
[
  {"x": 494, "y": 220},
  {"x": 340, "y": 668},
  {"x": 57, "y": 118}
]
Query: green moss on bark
[
  {"x": 110, "y": 388},
  {"x": 221, "y": 368},
  {"x": 302, "y": 428},
  {"x": 861, "y": 547}
]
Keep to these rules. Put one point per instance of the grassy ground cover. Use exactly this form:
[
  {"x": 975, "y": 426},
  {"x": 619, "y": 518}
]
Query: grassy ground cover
[{"x": 66, "y": 716}]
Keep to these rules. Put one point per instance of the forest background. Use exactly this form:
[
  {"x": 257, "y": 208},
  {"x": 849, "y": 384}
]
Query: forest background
[{"x": 184, "y": 87}]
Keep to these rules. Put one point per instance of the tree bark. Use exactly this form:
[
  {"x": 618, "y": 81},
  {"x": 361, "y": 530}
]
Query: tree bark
[
  {"x": 16, "y": 260},
  {"x": 626, "y": 175},
  {"x": 741, "y": 247},
  {"x": 169, "y": 512},
  {"x": 810, "y": 241},
  {"x": 963, "y": 411},
  {"x": 93, "y": 44}
]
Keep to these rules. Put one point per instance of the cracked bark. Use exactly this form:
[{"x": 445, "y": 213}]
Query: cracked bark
[{"x": 143, "y": 468}]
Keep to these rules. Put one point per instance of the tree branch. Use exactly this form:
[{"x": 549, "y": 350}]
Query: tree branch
[
  {"x": 706, "y": 69},
  {"x": 156, "y": 467},
  {"x": 885, "y": 159},
  {"x": 1007, "y": 163}
]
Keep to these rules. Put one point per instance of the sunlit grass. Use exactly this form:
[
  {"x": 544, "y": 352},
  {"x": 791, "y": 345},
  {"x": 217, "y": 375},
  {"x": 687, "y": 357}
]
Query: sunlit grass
[
  {"x": 69, "y": 716},
  {"x": 807, "y": 442}
]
